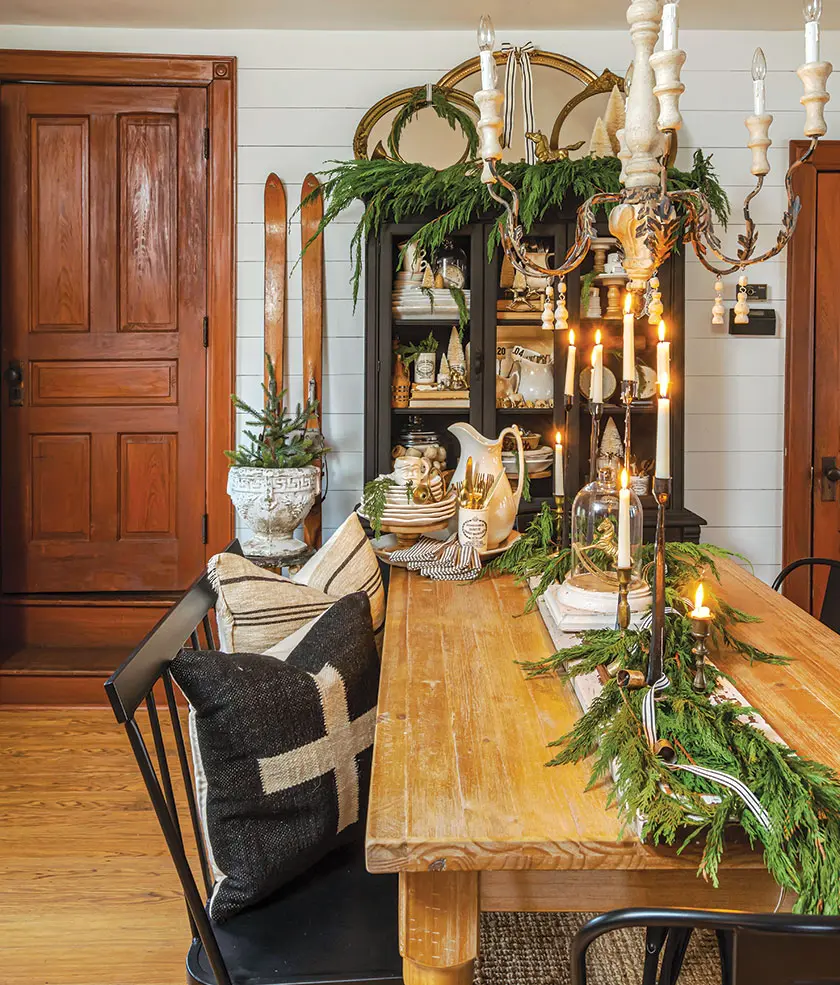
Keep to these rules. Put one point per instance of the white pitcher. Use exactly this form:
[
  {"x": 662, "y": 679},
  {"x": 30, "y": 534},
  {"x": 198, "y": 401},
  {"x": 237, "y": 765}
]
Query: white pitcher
[
  {"x": 533, "y": 374},
  {"x": 486, "y": 455}
]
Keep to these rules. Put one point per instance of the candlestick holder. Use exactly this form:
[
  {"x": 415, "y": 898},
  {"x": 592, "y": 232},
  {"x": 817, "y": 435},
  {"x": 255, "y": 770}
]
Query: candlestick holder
[
  {"x": 700, "y": 629},
  {"x": 629, "y": 392},
  {"x": 597, "y": 411},
  {"x": 559, "y": 517},
  {"x": 631, "y": 680},
  {"x": 662, "y": 492},
  {"x": 625, "y": 576}
]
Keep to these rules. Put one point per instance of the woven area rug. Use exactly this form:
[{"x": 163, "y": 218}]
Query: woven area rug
[{"x": 533, "y": 949}]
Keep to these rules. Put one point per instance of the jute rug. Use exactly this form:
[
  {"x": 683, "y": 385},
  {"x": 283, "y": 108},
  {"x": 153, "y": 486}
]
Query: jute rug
[{"x": 533, "y": 949}]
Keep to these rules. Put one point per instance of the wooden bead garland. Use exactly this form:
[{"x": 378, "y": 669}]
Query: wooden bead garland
[
  {"x": 718, "y": 310},
  {"x": 548, "y": 310},
  {"x": 561, "y": 312},
  {"x": 655, "y": 307},
  {"x": 742, "y": 309}
]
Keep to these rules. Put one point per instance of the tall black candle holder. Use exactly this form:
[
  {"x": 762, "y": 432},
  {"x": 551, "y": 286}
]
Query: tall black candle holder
[
  {"x": 629, "y": 392},
  {"x": 662, "y": 492}
]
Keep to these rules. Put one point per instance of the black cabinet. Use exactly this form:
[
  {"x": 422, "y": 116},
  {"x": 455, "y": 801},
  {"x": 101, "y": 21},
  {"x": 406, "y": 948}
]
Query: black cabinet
[{"x": 488, "y": 328}]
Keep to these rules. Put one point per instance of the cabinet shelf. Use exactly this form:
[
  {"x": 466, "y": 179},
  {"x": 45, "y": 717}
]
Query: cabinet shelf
[{"x": 487, "y": 333}]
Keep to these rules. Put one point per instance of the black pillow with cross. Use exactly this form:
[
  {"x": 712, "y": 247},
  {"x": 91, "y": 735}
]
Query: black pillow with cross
[{"x": 282, "y": 752}]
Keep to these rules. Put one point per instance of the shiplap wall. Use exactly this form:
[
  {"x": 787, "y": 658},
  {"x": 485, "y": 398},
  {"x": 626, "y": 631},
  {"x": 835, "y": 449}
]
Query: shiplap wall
[{"x": 300, "y": 97}]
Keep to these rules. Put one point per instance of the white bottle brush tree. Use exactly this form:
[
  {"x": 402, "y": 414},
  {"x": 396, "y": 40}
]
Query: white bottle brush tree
[{"x": 283, "y": 441}]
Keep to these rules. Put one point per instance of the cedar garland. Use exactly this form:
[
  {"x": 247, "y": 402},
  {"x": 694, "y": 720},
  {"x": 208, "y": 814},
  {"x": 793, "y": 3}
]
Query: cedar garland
[
  {"x": 394, "y": 191},
  {"x": 802, "y": 797}
]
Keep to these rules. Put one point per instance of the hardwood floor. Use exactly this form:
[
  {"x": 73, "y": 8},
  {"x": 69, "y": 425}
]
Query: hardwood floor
[{"x": 88, "y": 895}]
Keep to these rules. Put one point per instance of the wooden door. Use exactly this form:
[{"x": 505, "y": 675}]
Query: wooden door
[
  {"x": 826, "y": 492},
  {"x": 103, "y": 279}
]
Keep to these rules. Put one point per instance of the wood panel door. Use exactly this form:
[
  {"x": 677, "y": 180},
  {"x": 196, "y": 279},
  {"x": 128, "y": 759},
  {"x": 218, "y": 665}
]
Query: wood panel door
[
  {"x": 825, "y": 491},
  {"x": 103, "y": 277}
]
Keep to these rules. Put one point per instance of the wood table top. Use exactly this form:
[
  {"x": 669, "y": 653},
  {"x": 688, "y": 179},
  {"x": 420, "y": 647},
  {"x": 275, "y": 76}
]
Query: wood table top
[{"x": 459, "y": 777}]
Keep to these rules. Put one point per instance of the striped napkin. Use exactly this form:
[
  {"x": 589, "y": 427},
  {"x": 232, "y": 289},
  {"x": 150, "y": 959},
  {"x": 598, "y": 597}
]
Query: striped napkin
[{"x": 441, "y": 560}]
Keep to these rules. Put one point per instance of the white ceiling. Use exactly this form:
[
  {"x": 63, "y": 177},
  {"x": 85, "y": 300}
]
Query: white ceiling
[{"x": 370, "y": 15}]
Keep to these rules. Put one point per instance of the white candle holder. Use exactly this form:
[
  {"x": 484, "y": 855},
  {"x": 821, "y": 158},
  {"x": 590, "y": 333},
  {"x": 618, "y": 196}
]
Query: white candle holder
[
  {"x": 668, "y": 89},
  {"x": 490, "y": 126},
  {"x": 814, "y": 76},
  {"x": 759, "y": 128}
]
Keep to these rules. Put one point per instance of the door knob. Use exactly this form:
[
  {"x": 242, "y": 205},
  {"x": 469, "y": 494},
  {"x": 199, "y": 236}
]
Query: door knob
[
  {"x": 829, "y": 479},
  {"x": 13, "y": 375}
]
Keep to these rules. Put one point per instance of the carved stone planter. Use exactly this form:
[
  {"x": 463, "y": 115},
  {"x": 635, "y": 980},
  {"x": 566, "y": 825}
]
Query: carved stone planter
[{"x": 273, "y": 502}]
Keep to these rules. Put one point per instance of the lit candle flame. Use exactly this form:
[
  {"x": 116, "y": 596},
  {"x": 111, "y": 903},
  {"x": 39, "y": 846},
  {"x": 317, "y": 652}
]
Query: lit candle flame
[
  {"x": 663, "y": 385},
  {"x": 624, "y": 478},
  {"x": 598, "y": 337},
  {"x": 628, "y": 303},
  {"x": 698, "y": 596},
  {"x": 571, "y": 336},
  {"x": 661, "y": 330},
  {"x": 558, "y": 439}
]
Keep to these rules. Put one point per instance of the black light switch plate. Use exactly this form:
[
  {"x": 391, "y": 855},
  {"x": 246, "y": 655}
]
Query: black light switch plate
[{"x": 762, "y": 322}]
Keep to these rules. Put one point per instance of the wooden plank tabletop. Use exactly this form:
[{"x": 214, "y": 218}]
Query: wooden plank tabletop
[{"x": 459, "y": 781}]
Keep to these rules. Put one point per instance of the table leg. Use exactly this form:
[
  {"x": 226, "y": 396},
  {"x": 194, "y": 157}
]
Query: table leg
[{"x": 438, "y": 927}]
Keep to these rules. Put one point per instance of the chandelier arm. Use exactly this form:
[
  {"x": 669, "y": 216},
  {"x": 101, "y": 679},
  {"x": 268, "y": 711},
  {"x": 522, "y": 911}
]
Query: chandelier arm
[
  {"x": 701, "y": 232},
  {"x": 512, "y": 234}
]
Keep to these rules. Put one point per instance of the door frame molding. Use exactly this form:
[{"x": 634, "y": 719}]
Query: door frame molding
[
  {"x": 800, "y": 344},
  {"x": 218, "y": 76}
]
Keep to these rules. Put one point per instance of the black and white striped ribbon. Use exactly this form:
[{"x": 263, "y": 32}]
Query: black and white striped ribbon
[
  {"x": 519, "y": 55},
  {"x": 716, "y": 776}
]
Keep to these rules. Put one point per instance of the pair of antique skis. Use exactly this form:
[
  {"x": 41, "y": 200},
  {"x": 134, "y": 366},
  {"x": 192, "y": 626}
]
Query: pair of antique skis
[{"x": 312, "y": 271}]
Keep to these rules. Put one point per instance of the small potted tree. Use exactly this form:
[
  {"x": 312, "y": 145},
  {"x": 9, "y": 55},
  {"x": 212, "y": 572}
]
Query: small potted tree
[{"x": 272, "y": 481}]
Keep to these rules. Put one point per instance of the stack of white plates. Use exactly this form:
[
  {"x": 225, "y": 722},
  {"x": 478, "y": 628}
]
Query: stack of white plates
[
  {"x": 400, "y": 512},
  {"x": 539, "y": 460},
  {"x": 409, "y": 300}
]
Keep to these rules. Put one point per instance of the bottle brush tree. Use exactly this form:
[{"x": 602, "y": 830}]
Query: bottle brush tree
[{"x": 283, "y": 440}]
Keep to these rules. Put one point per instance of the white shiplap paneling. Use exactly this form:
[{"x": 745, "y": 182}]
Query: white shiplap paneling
[{"x": 300, "y": 95}]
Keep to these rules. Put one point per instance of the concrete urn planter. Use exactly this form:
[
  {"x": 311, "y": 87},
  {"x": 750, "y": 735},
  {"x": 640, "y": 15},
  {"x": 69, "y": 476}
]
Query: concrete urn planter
[{"x": 274, "y": 502}]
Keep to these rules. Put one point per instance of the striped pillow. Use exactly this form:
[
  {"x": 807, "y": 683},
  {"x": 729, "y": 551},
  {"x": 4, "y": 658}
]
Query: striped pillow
[
  {"x": 345, "y": 564},
  {"x": 257, "y": 609}
]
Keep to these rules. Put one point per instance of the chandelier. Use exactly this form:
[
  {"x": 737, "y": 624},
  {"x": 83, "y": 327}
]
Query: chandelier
[{"x": 643, "y": 216}]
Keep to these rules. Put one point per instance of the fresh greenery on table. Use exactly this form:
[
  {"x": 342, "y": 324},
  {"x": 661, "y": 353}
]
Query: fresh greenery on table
[
  {"x": 284, "y": 441},
  {"x": 393, "y": 191},
  {"x": 802, "y": 797}
]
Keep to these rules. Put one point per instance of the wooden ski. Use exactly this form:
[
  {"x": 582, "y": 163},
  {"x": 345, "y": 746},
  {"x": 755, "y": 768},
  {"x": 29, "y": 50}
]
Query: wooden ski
[
  {"x": 274, "y": 205},
  {"x": 312, "y": 272}
]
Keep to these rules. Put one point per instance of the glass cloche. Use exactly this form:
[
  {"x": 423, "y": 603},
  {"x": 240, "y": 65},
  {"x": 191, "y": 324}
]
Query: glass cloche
[{"x": 594, "y": 529}]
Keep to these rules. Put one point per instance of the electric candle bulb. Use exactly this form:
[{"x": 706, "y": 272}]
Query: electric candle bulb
[
  {"x": 629, "y": 352},
  {"x": 663, "y": 355},
  {"x": 486, "y": 44},
  {"x": 670, "y": 26},
  {"x": 700, "y": 611},
  {"x": 569, "y": 388},
  {"x": 596, "y": 386},
  {"x": 558, "y": 464},
  {"x": 663, "y": 431},
  {"x": 759, "y": 76},
  {"x": 624, "y": 560},
  {"x": 812, "y": 9}
]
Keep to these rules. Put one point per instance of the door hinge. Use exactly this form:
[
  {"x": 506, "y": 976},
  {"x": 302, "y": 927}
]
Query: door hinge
[
  {"x": 205, "y": 332},
  {"x": 207, "y": 143},
  {"x": 205, "y": 520}
]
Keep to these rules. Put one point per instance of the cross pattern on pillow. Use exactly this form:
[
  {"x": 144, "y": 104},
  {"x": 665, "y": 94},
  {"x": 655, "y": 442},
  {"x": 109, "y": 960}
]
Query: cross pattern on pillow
[{"x": 335, "y": 751}]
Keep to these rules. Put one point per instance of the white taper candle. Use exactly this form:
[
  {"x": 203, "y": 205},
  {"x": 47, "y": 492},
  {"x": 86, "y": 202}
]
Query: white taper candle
[
  {"x": 624, "y": 560},
  {"x": 629, "y": 350},
  {"x": 663, "y": 432},
  {"x": 663, "y": 355},
  {"x": 596, "y": 384},
  {"x": 569, "y": 388},
  {"x": 558, "y": 464}
]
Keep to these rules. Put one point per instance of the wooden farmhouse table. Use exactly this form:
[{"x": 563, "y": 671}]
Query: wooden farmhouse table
[{"x": 464, "y": 809}]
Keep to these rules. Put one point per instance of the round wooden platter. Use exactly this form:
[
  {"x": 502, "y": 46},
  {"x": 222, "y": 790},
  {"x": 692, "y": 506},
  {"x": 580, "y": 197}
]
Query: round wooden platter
[{"x": 409, "y": 533}]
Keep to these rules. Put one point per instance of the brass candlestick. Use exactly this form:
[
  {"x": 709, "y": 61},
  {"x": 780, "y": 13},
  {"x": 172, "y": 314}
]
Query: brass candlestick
[
  {"x": 624, "y": 576},
  {"x": 596, "y": 410},
  {"x": 559, "y": 525},
  {"x": 700, "y": 628},
  {"x": 629, "y": 392},
  {"x": 662, "y": 492}
]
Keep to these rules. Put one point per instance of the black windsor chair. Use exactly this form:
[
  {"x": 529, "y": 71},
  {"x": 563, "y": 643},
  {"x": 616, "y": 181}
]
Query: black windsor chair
[
  {"x": 334, "y": 924},
  {"x": 830, "y": 613}
]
